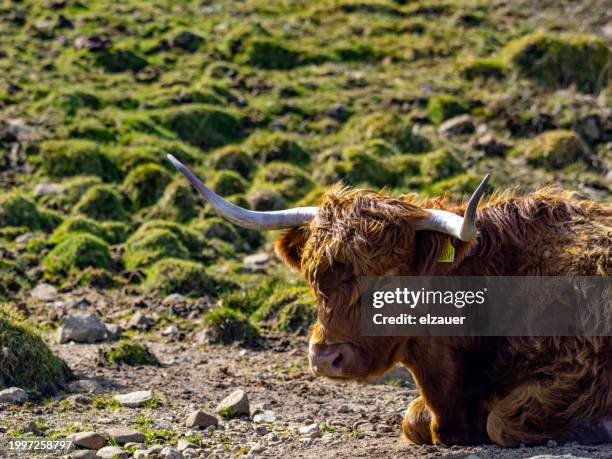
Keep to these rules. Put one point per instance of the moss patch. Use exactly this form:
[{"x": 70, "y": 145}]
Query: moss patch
[
  {"x": 226, "y": 326},
  {"x": 78, "y": 251},
  {"x": 289, "y": 180},
  {"x": 266, "y": 147},
  {"x": 445, "y": 106},
  {"x": 394, "y": 129},
  {"x": 25, "y": 360},
  {"x": 561, "y": 60},
  {"x": 77, "y": 224},
  {"x": 178, "y": 203},
  {"x": 18, "y": 210},
  {"x": 144, "y": 249},
  {"x": 172, "y": 275},
  {"x": 227, "y": 183},
  {"x": 202, "y": 125},
  {"x": 555, "y": 149},
  {"x": 102, "y": 202},
  {"x": 233, "y": 158},
  {"x": 440, "y": 164},
  {"x": 145, "y": 184},
  {"x": 129, "y": 353},
  {"x": 267, "y": 53},
  {"x": 65, "y": 158},
  {"x": 13, "y": 279}
]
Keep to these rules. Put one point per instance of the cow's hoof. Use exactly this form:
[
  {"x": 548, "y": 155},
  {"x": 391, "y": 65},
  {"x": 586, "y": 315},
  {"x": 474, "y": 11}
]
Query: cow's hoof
[{"x": 417, "y": 423}]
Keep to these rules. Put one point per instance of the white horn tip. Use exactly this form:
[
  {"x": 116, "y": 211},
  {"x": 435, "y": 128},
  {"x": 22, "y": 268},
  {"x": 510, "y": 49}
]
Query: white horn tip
[{"x": 175, "y": 162}]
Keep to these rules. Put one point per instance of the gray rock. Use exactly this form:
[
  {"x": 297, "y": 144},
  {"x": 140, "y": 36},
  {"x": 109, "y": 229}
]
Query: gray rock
[
  {"x": 112, "y": 452},
  {"x": 170, "y": 453},
  {"x": 311, "y": 430},
  {"x": 458, "y": 125},
  {"x": 82, "y": 327},
  {"x": 140, "y": 322},
  {"x": 257, "y": 259},
  {"x": 113, "y": 331},
  {"x": 123, "y": 435},
  {"x": 31, "y": 427},
  {"x": 134, "y": 399},
  {"x": 142, "y": 454},
  {"x": 13, "y": 395},
  {"x": 47, "y": 189},
  {"x": 89, "y": 440},
  {"x": 24, "y": 238},
  {"x": 200, "y": 419},
  {"x": 185, "y": 444},
  {"x": 170, "y": 330},
  {"x": 265, "y": 416},
  {"x": 89, "y": 386},
  {"x": 234, "y": 405},
  {"x": 490, "y": 146},
  {"x": 563, "y": 456},
  {"x": 44, "y": 292},
  {"x": 174, "y": 298}
]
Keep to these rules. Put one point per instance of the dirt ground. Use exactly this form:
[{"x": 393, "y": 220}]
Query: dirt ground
[{"x": 355, "y": 419}]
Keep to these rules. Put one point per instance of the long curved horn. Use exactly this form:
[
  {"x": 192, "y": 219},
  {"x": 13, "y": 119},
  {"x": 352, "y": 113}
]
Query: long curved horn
[
  {"x": 277, "y": 219},
  {"x": 463, "y": 228}
]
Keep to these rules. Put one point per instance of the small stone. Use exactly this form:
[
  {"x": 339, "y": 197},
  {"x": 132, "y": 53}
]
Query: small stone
[
  {"x": 551, "y": 444},
  {"x": 112, "y": 452},
  {"x": 24, "y": 238},
  {"x": 344, "y": 409},
  {"x": 44, "y": 292},
  {"x": 261, "y": 430},
  {"x": 200, "y": 419},
  {"x": 47, "y": 189},
  {"x": 257, "y": 449},
  {"x": 265, "y": 416},
  {"x": 123, "y": 435},
  {"x": 174, "y": 298},
  {"x": 89, "y": 440},
  {"x": 13, "y": 395},
  {"x": 82, "y": 327},
  {"x": 134, "y": 445},
  {"x": 134, "y": 399},
  {"x": 170, "y": 453},
  {"x": 140, "y": 322},
  {"x": 142, "y": 454},
  {"x": 183, "y": 444},
  {"x": 490, "y": 146},
  {"x": 79, "y": 399},
  {"x": 89, "y": 386},
  {"x": 113, "y": 331},
  {"x": 458, "y": 125},
  {"x": 234, "y": 405},
  {"x": 170, "y": 330},
  {"x": 311, "y": 430},
  {"x": 257, "y": 259}
]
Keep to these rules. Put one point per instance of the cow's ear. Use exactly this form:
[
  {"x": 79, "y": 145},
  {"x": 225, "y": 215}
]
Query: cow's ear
[{"x": 290, "y": 244}]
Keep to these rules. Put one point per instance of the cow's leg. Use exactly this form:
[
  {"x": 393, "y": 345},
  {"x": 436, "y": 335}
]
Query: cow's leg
[
  {"x": 417, "y": 422},
  {"x": 535, "y": 413}
]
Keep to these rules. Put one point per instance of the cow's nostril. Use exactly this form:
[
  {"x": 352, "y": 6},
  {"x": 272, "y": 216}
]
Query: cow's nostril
[{"x": 337, "y": 361}]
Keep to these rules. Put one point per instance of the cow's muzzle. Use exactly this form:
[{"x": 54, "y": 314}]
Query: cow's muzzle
[{"x": 334, "y": 360}]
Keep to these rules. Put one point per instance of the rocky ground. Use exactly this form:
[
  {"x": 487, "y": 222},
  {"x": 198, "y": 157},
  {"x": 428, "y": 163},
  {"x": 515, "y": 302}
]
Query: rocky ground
[{"x": 180, "y": 407}]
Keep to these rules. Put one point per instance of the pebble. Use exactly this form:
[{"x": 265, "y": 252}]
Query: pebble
[
  {"x": 458, "y": 125},
  {"x": 82, "y": 327},
  {"x": 183, "y": 444},
  {"x": 123, "y": 435},
  {"x": 89, "y": 440},
  {"x": 134, "y": 399},
  {"x": 46, "y": 189},
  {"x": 170, "y": 330},
  {"x": 113, "y": 331},
  {"x": 311, "y": 430},
  {"x": 257, "y": 259},
  {"x": 200, "y": 419},
  {"x": 44, "y": 292},
  {"x": 266, "y": 416},
  {"x": 170, "y": 453},
  {"x": 140, "y": 321},
  {"x": 13, "y": 395},
  {"x": 174, "y": 298},
  {"x": 235, "y": 404},
  {"x": 112, "y": 452}
]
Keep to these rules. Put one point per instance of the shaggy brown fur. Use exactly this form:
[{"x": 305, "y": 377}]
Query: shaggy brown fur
[{"x": 506, "y": 390}]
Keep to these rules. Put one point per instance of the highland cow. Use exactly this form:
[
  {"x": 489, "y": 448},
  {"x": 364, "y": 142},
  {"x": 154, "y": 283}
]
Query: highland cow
[{"x": 506, "y": 390}]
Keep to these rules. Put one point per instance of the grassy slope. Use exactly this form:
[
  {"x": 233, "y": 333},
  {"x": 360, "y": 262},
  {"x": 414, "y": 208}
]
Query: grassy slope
[{"x": 339, "y": 89}]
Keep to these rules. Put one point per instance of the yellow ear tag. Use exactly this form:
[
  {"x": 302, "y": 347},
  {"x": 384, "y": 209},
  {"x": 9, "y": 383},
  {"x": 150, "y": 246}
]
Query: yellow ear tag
[{"x": 448, "y": 255}]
